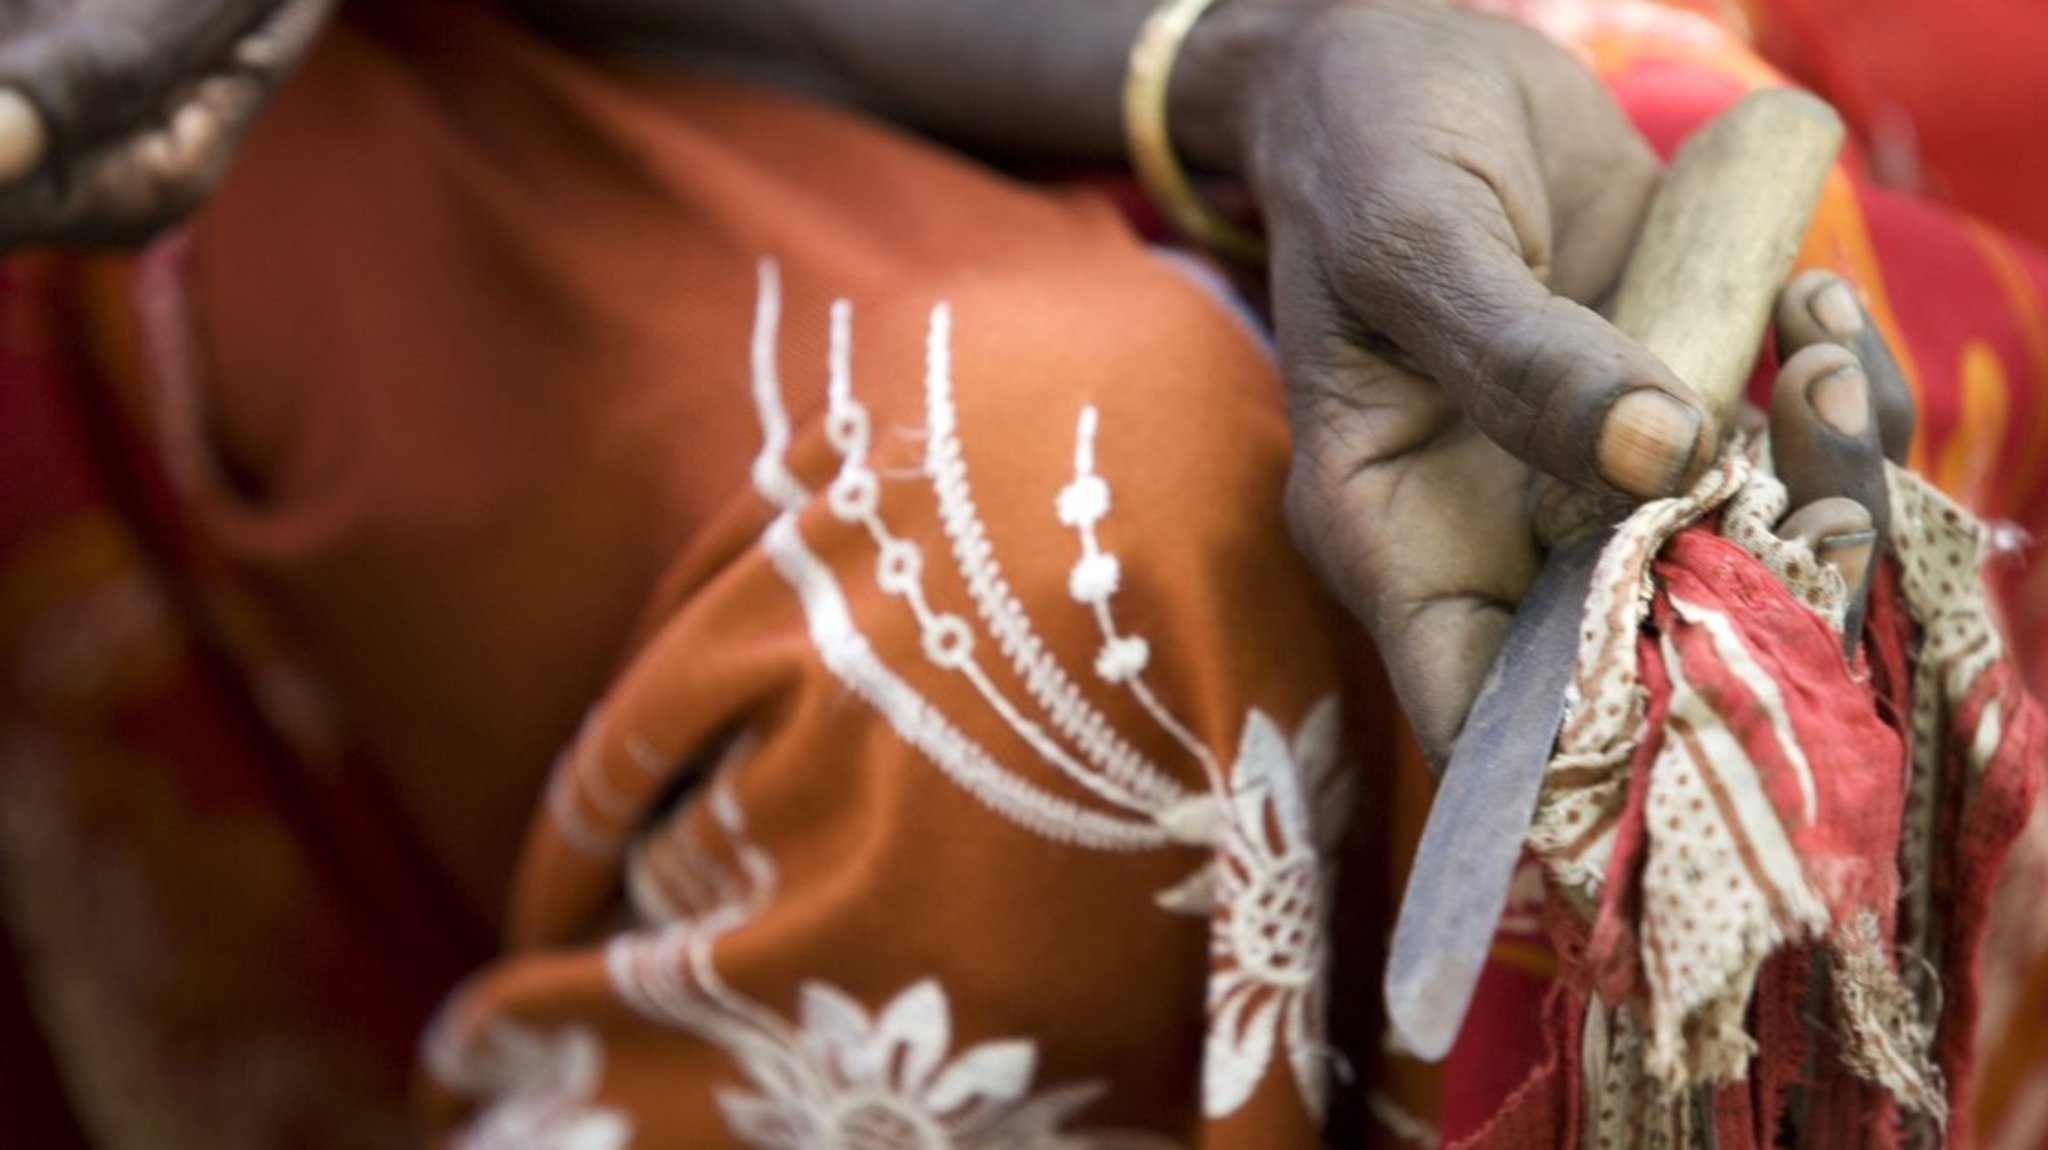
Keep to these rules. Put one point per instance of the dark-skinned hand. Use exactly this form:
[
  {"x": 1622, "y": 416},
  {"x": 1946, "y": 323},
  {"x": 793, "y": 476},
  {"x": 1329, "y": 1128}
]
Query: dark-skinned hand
[
  {"x": 1446, "y": 194},
  {"x": 118, "y": 116}
]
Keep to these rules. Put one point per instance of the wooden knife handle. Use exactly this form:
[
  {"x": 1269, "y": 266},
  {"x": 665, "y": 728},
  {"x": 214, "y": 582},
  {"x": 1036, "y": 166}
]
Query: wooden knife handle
[
  {"x": 1715, "y": 248},
  {"x": 1720, "y": 238}
]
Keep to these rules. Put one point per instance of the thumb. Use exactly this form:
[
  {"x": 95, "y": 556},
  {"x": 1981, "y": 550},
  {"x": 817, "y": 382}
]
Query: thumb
[{"x": 1546, "y": 378}]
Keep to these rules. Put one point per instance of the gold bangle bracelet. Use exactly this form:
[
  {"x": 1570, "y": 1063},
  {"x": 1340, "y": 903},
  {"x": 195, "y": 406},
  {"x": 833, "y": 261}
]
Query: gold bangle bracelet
[{"x": 1150, "y": 141}]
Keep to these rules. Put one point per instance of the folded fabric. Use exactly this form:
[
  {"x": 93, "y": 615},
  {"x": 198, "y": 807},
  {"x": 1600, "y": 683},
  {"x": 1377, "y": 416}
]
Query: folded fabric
[{"x": 1770, "y": 863}]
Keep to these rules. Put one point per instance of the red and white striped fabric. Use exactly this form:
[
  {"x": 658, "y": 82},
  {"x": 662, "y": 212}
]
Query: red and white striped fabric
[{"x": 1769, "y": 861}]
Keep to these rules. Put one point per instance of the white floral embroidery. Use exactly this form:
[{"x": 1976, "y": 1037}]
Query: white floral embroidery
[
  {"x": 847, "y": 653},
  {"x": 1268, "y": 960},
  {"x": 1147, "y": 785},
  {"x": 885, "y": 1083},
  {"x": 538, "y": 1086},
  {"x": 838, "y": 1078},
  {"x": 1266, "y": 886},
  {"x": 1107, "y": 766},
  {"x": 1278, "y": 821},
  {"x": 1082, "y": 505}
]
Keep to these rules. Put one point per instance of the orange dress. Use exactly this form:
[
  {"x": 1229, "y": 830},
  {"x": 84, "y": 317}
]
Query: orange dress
[{"x": 643, "y": 612}]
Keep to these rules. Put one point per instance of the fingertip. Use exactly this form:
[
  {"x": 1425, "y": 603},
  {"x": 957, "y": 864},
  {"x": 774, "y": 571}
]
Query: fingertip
[
  {"x": 1817, "y": 306},
  {"x": 24, "y": 137},
  {"x": 1650, "y": 443},
  {"x": 1849, "y": 553},
  {"x": 1841, "y": 399},
  {"x": 1843, "y": 534},
  {"x": 1825, "y": 448},
  {"x": 1835, "y": 308},
  {"x": 1829, "y": 381}
]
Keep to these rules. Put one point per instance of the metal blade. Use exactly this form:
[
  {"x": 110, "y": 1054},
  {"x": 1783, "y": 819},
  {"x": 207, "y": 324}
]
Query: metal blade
[{"x": 1481, "y": 814}]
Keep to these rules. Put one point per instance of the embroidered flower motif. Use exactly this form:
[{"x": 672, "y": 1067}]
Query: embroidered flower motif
[
  {"x": 832, "y": 1079},
  {"x": 1263, "y": 886},
  {"x": 542, "y": 1086},
  {"x": 1266, "y": 982},
  {"x": 884, "y": 1083},
  {"x": 836, "y": 1078}
]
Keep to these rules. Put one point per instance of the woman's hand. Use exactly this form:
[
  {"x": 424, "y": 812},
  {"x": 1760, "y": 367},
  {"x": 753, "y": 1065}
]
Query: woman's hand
[
  {"x": 1444, "y": 194},
  {"x": 118, "y": 116}
]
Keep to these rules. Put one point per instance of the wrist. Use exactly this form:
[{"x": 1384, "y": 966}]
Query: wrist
[{"x": 1209, "y": 96}]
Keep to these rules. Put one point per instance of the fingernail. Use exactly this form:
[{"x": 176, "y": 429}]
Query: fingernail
[
  {"x": 1647, "y": 442},
  {"x": 1835, "y": 543},
  {"x": 1835, "y": 309},
  {"x": 1842, "y": 400},
  {"x": 22, "y": 138},
  {"x": 1849, "y": 554}
]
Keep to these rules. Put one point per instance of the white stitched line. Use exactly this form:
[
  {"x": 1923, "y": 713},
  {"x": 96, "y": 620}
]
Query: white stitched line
[
  {"x": 854, "y": 498},
  {"x": 671, "y": 977},
  {"x": 646, "y": 757},
  {"x": 1044, "y": 678},
  {"x": 585, "y": 761},
  {"x": 772, "y": 477},
  {"x": 1114, "y": 640},
  {"x": 846, "y": 651},
  {"x": 847, "y": 654}
]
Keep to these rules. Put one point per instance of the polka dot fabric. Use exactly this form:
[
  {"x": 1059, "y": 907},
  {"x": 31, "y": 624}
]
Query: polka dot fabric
[{"x": 1728, "y": 787}]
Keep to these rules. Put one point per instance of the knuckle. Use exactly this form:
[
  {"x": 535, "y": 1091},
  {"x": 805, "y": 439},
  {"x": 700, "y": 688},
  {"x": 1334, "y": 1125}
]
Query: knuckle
[
  {"x": 173, "y": 201},
  {"x": 1547, "y": 385},
  {"x": 1403, "y": 268},
  {"x": 1522, "y": 371},
  {"x": 1407, "y": 224},
  {"x": 1419, "y": 252}
]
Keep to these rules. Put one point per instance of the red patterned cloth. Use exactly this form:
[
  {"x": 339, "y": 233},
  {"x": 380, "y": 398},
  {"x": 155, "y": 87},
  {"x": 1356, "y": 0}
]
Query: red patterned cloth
[{"x": 1772, "y": 863}]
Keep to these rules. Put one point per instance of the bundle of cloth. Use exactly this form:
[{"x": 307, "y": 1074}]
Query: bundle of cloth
[{"x": 1746, "y": 832}]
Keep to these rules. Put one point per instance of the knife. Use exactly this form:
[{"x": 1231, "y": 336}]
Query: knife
[{"x": 1716, "y": 245}]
